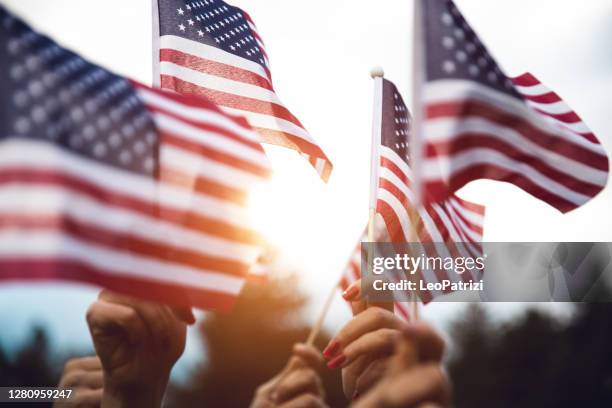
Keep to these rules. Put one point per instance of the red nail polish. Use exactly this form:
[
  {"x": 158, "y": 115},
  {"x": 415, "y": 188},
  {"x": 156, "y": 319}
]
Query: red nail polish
[
  {"x": 350, "y": 293},
  {"x": 331, "y": 349},
  {"x": 355, "y": 395},
  {"x": 337, "y": 361}
]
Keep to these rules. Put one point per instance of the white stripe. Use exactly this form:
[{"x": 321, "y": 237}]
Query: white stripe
[
  {"x": 199, "y": 115},
  {"x": 210, "y": 53},
  {"x": 578, "y": 127},
  {"x": 31, "y": 199},
  {"x": 399, "y": 209},
  {"x": 535, "y": 90},
  {"x": 472, "y": 217},
  {"x": 197, "y": 165},
  {"x": 443, "y": 91},
  {"x": 556, "y": 108},
  {"x": 210, "y": 139},
  {"x": 441, "y": 168},
  {"x": 390, "y": 155},
  {"x": 44, "y": 244},
  {"x": 44, "y": 156},
  {"x": 219, "y": 84},
  {"x": 445, "y": 130},
  {"x": 265, "y": 121}
]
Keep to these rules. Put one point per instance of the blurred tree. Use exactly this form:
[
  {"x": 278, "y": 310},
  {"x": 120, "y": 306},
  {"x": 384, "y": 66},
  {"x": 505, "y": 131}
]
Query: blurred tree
[{"x": 250, "y": 345}]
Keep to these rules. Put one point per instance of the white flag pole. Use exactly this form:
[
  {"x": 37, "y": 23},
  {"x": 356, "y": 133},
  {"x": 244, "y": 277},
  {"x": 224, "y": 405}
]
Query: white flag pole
[
  {"x": 156, "y": 45},
  {"x": 377, "y": 75},
  {"x": 416, "y": 131}
]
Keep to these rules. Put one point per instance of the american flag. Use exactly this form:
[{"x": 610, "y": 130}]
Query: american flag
[
  {"x": 110, "y": 182},
  {"x": 212, "y": 49},
  {"x": 455, "y": 224},
  {"x": 479, "y": 123}
]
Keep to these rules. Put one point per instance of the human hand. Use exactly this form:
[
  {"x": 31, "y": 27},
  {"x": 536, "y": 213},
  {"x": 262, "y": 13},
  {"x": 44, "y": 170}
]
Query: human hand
[
  {"x": 363, "y": 347},
  {"x": 409, "y": 382},
  {"x": 138, "y": 343},
  {"x": 85, "y": 378},
  {"x": 298, "y": 385}
]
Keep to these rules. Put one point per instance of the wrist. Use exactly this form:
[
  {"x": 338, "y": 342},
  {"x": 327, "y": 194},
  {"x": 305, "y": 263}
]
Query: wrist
[{"x": 148, "y": 395}]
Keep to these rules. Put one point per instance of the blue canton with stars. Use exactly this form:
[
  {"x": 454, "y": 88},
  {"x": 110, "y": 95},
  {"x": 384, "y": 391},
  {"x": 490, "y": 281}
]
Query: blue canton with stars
[
  {"x": 51, "y": 94},
  {"x": 395, "y": 122},
  {"x": 211, "y": 22},
  {"x": 454, "y": 51}
]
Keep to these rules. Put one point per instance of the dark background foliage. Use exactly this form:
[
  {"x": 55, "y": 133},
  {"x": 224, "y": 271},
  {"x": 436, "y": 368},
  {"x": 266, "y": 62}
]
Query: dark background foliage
[{"x": 533, "y": 361}]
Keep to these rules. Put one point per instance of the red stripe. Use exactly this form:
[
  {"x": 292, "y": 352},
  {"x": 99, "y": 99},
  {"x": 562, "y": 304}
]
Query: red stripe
[
  {"x": 526, "y": 79},
  {"x": 568, "y": 117},
  {"x": 440, "y": 190},
  {"x": 546, "y": 98},
  {"x": 214, "y": 155},
  {"x": 121, "y": 242},
  {"x": 469, "y": 141},
  {"x": 211, "y": 128},
  {"x": 391, "y": 219},
  {"x": 203, "y": 185},
  {"x": 192, "y": 101},
  {"x": 284, "y": 139},
  {"x": 476, "y": 228},
  {"x": 171, "y": 294},
  {"x": 401, "y": 310},
  {"x": 230, "y": 100},
  {"x": 183, "y": 219},
  {"x": 215, "y": 68},
  {"x": 549, "y": 141},
  {"x": 455, "y": 214}
]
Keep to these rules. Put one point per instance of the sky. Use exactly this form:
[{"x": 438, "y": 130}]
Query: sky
[{"x": 321, "y": 53}]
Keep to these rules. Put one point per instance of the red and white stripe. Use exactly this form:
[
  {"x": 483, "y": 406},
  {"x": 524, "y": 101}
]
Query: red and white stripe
[
  {"x": 182, "y": 240},
  {"x": 541, "y": 145},
  {"x": 352, "y": 273},
  {"x": 241, "y": 87},
  {"x": 455, "y": 226}
]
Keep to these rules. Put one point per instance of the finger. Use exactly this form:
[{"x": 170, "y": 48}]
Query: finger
[
  {"x": 367, "y": 282},
  {"x": 106, "y": 319},
  {"x": 429, "y": 405},
  {"x": 430, "y": 344},
  {"x": 83, "y": 379},
  {"x": 406, "y": 355},
  {"x": 304, "y": 401},
  {"x": 376, "y": 344},
  {"x": 422, "y": 384},
  {"x": 83, "y": 363},
  {"x": 370, "y": 320},
  {"x": 304, "y": 381},
  {"x": 371, "y": 375},
  {"x": 155, "y": 316},
  {"x": 184, "y": 314},
  {"x": 310, "y": 355},
  {"x": 353, "y": 292}
]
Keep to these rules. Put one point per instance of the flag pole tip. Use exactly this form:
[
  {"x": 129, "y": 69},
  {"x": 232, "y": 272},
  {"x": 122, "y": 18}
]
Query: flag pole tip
[{"x": 377, "y": 72}]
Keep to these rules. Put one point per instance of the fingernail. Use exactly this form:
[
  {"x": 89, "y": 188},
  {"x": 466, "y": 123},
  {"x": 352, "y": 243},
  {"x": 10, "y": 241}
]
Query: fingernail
[
  {"x": 336, "y": 362},
  {"x": 355, "y": 395},
  {"x": 331, "y": 349},
  {"x": 350, "y": 293}
]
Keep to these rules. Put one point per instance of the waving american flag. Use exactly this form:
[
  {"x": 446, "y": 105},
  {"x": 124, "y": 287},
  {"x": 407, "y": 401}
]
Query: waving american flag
[
  {"x": 456, "y": 225},
  {"x": 109, "y": 182},
  {"x": 212, "y": 49},
  {"x": 479, "y": 123}
]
